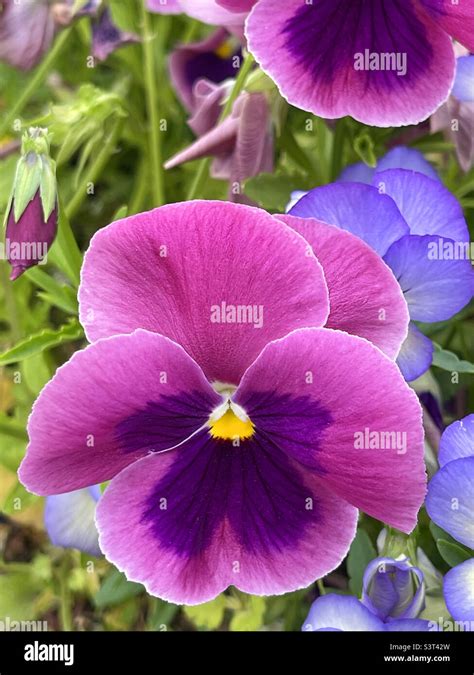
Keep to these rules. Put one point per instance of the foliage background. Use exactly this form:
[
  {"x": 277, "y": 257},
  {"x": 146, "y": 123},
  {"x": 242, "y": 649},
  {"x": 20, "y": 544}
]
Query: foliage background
[{"x": 103, "y": 144}]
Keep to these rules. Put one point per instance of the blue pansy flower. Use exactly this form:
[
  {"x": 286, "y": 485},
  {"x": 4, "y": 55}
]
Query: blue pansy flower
[
  {"x": 393, "y": 596},
  {"x": 69, "y": 520},
  {"x": 450, "y": 504},
  {"x": 418, "y": 227}
]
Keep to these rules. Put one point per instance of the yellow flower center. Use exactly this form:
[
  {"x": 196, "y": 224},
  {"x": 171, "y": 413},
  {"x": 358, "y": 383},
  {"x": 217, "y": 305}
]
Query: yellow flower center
[{"x": 229, "y": 423}]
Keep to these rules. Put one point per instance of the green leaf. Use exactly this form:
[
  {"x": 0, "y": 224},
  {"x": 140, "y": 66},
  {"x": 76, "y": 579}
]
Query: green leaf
[
  {"x": 361, "y": 553},
  {"x": 18, "y": 499},
  {"x": 18, "y": 594},
  {"x": 116, "y": 589},
  {"x": 36, "y": 372},
  {"x": 38, "y": 342},
  {"x": 365, "y": 149},
  {"x": 251, "y": 617},
  {"x": 12, "y": 428},
  {"x": 448, "y": 361},
  {"x": 452, "y": 553},
  {"x": 57, "y": 294},
  {"x": 272, "y": 192},
  {"x": 209, "y": 615}
]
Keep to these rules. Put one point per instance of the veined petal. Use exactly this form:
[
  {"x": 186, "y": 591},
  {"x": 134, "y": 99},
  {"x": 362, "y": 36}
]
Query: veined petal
[
  {"x": 220, "y": 279},
  {"x": 416, "y": 354},
  {"x": 113, "y": 402},
  {"x": 69, "y": 520},
  {"x": 360, "y": 424},
  {"x": 326, "y": 57},
  {"x": 457, "y": 441},
  {"x": 191, "y": 522},
  {"x": 450, "y": 499},
  {"x": 364, "y": 296},
  {"x": 458, "y": 589},
  {"x": 456, "y": 18},
  {"x": 357, "y": 208},
  {"x": 407, "y": 158},
  {"x": 341, "y": 613}
]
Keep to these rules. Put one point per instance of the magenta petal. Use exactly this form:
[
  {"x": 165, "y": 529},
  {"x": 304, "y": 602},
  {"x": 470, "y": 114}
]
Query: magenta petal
[
  {"x": 113, "y": 402},
  {"x": 456, "y": 18},
  {"x": 237, "y": 5},
  {"x": 364, "y": 296},
  {"x": 371, "y": 452},
  {"x": 190, "y": 523},
  {"x": 310, "y": 50},
  {"x": 220, "y": 279},
  {"x": 209, "y": 11}
]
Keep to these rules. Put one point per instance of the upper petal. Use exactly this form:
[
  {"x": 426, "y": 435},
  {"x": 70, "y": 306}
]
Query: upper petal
[
  {"x": 463, "y": 88},
  {"x": 456, "y": 18},
  {"x": 357, "y": 208},
  {"x": 458, "y": 590},
  {"x": 427, "y": 206},
  {"x": 220, "y": 279},
  {"x": 383, "y": 63},
  {"x": 416, "y": 354},
  {"x": 344, "y": 411},
  {"x": 457, "y": 441},
  {"x": 364, "y": 296},
  {"x": 113, "y": 402}
]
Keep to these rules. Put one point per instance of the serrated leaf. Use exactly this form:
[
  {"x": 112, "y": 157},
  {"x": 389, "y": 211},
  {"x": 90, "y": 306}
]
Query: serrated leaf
[
  {"x": 448, "y": 361},
  {"x": 452, "y": 553},
  {"x": 37, "y": 343},
  {"x": 361, "y": 553}
]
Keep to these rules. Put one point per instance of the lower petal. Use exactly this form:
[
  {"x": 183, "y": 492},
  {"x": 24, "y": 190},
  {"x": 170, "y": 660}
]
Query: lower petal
[
  {"x": 341, "y": 613},
  {"x": 416, "y": 354},
  {"x": 458, "y": 589},
  {"x": 189, "y": 523}
]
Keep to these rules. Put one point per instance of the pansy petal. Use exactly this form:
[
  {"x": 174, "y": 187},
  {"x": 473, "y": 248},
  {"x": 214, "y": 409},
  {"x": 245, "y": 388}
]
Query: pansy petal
[
  {"x": 336, "y": 404},
  {"x": 416, "y": 354},
  {"x": 457, "y": 441},
  {"x": 407, "y": 158},
  {"x": 69, "y": 520},
  {"x": 357, "y": 208},
  {"x": 435, "y": 286},
  {"x": 112, "y": 403},
  {"x": 458, "y": 590},
  {"x": 427, "y": 206},
  {"x": 191, "y": 522},
  {"x": 326, "y": 58},
  {"x": 237, "y": 5},
  {"x": 410, "y": 625},
  {"x": 456, "y": 18},
  {"x": 200, "y": 273},
  {"x": 463, "y": 88},
  {"x": 341, "y": 612},
  {"x": 357, "y": 173},
  {"x": 450, "y": 499},
  {"x": 364, "y": 296}
]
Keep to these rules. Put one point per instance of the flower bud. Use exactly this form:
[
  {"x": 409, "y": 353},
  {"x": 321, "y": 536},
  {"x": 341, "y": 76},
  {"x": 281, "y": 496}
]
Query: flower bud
[
  {"x": 393, "y": 589},
  {"x": 32, "y": 213}
]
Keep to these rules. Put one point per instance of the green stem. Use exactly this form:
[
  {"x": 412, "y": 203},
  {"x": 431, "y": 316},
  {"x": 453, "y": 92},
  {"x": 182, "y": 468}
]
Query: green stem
[
  {"x": 65, "y": 609},
  {"x": 320, "y": 585},
  {"x": 337, "y": 149},
  {"x": 96, "y": 169},
  {"x": 65, "y": 252},
  {"x": 150, "y": 74},
  {"x": 37, "y": 78},
  {"x": 10, "y": 304},
  {"x": 201, "y": 175}
]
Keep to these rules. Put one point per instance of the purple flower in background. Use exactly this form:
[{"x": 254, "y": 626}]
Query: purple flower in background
[
  {"x": 107, "y": 37},
  {"x": 400, "y": 157},
  {"x": 27, "y": 30},
  {"x": 392, "y": 598},
  {"x": 393, "y": 589},
  {"x": 209, "y": 398},
  {"x": 456, "y": 116},
  {"x": 380, "y": 62},
  {"x": 419, "y": 229},
  {"x": 242, "y": 144},
  {"x": 32, "y": 214},
  {"x": 450, "y": 504},
  {"x": 69, "y": 520},
  {"x": 214, "y": 59}
]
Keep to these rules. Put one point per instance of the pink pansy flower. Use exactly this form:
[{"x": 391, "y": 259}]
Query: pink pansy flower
[
  {"x": 386, "y": 63},
  {"x": 227, "y": 418},
  {"x": 207, "y": 11}
]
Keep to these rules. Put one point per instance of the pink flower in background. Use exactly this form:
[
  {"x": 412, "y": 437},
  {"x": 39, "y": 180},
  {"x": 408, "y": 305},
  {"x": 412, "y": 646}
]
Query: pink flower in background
[{"x": 221, "y": 410}]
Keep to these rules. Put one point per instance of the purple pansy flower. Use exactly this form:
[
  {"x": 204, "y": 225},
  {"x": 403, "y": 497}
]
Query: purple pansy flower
[
  {"x": 456, "y": 116},
  {"x": 380, "y": 62},
  {"x": 400, "y": 157},
  {"x": 69, "y": 520},
  {"x": 414, "y": 223},
  {"x": 222, "y": 412},
  {"x": 215, "y": 59},
  {"x": 107, "y": 37},
  {"x": 242, "y": 144},
  {"x": 450, "y": 504},
  {"x": 393, "y": 589}
]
